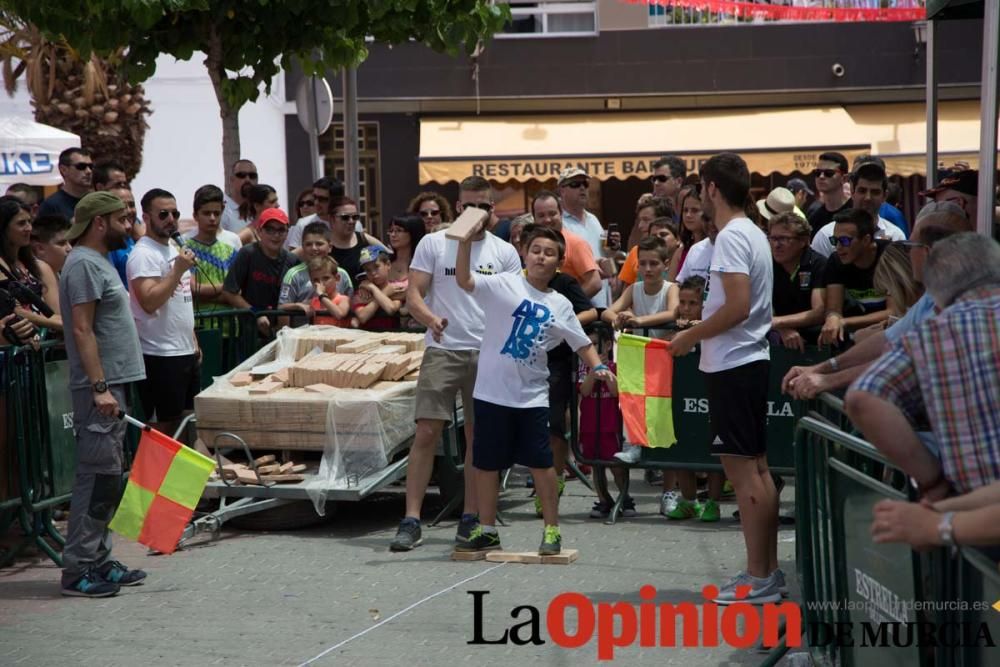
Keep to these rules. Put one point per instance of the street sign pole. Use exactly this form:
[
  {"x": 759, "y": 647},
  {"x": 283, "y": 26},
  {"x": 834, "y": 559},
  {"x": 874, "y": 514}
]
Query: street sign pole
[{"x": 351, "y": 163}]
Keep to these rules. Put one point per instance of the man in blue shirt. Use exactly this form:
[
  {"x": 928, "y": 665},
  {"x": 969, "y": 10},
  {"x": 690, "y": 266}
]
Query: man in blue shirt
[{"x": 76, "y": 166}]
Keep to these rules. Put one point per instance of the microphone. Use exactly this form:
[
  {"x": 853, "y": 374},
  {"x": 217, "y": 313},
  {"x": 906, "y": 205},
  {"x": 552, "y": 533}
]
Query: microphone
[{"x": 176, "y": 238}]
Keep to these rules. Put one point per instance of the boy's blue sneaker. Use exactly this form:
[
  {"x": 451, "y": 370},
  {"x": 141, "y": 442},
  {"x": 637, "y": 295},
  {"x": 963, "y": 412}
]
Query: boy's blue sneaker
[
  {"x": 479, "y": 540},
  {"x": 116, "y": 573},
  {"x": 91, "y": 585},
  {"x": 408, "y": 535},
  {"x": 466, "y": 525}
]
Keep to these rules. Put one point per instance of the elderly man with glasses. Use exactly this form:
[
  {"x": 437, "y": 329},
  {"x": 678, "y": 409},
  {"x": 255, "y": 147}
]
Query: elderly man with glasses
[
  {"x": 76, "y": 166},
  {"x": 573, "y": 187},
  {"x": 798, "y": 297}
]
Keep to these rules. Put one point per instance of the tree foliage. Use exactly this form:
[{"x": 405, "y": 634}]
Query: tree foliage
[{"x": 247, "y": 42}]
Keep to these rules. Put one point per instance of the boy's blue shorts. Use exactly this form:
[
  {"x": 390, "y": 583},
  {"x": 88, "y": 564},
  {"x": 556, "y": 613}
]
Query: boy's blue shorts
[{"x": 504, "y": 436}]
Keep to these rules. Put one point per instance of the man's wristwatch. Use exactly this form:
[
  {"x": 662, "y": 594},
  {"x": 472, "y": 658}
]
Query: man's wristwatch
[
  {"x": 945, "y": 530},
  {"x": 100, "y": 387}
]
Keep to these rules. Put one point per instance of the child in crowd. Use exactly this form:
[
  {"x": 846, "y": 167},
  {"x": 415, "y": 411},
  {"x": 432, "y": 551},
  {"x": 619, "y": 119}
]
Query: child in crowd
[
  {"x": 323, "y": 272},
  {"x": 376, "y": 303},
  {"x": 645, "y": 307},
  {"x": 296, "y": 285},
  {"x": 213, "y": 254},
  {"x": 600, "y": 421},
  {"x": 524, "y": 319},
  {"x": 690, "y": 297},
  {"x": 651, "y": 303}
]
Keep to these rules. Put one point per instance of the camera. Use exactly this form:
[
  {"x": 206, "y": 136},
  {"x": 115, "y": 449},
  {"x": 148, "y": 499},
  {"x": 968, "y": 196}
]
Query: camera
[{"x": 7, "y": 305}]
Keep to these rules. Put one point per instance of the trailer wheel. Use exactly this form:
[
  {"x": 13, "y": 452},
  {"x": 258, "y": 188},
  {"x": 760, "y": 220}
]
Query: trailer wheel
[{"x": 292, "y": 516}]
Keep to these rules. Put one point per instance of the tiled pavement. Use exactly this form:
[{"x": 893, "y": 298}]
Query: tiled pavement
[{"x": 283, "y": 598}]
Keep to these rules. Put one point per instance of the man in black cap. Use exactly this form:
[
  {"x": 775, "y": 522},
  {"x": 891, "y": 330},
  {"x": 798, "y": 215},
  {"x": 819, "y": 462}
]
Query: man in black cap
[
  {"x": 802, "y": 193},
  {"x": 104, "y": 357},
  {"x": 960, "y": 187}
]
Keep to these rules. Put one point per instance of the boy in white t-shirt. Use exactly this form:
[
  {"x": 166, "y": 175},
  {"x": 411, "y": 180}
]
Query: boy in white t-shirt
[
  {"x": 736, "y": 360},
  {"x": 524, "y": 319}
]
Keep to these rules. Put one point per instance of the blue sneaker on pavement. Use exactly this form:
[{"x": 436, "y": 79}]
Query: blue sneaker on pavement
[
  {"x": 91, "y": 585},
  {"x": 116, "y": 573},
  {"x": 466, "y": 525},
  {"x": 408, "y": 535}
]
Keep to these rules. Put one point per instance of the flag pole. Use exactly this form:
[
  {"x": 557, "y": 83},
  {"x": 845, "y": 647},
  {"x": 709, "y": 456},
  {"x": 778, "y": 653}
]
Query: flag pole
[{"x": 133, "y": 421}]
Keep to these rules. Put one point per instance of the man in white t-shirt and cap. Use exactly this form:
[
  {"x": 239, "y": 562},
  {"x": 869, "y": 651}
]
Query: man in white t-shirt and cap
[
  {"x": 455, "y": 324},
  {"x": 735, "y": 359},
  {"x": 869, "y": 183},
  {"x": 159, "y": 279},
  {"x": 573, "y": 187}
]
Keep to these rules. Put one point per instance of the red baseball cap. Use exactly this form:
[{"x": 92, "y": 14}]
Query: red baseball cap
[{"x": 271, "y": 215}]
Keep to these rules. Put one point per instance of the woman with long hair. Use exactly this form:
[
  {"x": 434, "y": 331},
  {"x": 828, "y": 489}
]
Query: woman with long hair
[
  {"x": 894, "y": 277},
  {"x": 405, "y": 232},
  {"x": 305, "y": 205},
  {"x": 432, "y": 208},
  {"x": 18, "y": 263},
  {"x": 259, "y": 198},
  {"x": 692, "y": 224}
]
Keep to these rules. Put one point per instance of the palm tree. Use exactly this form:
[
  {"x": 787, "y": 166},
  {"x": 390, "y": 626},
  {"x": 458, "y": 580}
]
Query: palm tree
[{"x": 88, "y": 97}]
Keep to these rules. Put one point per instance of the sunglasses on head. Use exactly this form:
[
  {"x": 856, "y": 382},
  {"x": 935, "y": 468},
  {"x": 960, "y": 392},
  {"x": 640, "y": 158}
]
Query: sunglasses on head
[
  {"x": 164, "y": 214},
  {"x": 659, "y": 178},
  {"x": 826, "y": 173},
  {"x": 575, "y": 184},
  {"x": 83, "y": 166},
  {"x": 844, "y": 241},
  {"x": 252, "y": 175},
  {"x": 349, "y": 217},
  {"x": 430, "y": 213}
]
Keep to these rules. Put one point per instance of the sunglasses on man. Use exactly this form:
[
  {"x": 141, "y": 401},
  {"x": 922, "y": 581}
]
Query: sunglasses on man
[
  {"x": 659, "y": 178},
  {"x": 172, "y": 213},
  {"x": 83, "y": 166},
  {"x": 349, "y": 217},
  {"x": 483, "y": 206},
  {"x": 575, "y": 184},
  {"x": 252, "y": 175},
  {"x": 826, "y": 173},
  {"x": 843, "y": 241}
]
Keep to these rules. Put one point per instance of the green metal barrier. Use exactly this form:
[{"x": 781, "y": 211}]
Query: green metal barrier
[{"x": 691, "y": 423}]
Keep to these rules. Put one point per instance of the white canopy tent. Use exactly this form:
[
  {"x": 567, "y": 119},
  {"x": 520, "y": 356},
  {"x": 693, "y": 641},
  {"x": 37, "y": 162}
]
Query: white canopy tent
[{"x": 29, "y": 151}]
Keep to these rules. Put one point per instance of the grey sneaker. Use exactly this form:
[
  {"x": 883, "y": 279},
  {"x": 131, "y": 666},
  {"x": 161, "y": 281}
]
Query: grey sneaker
[
  {"x": 668, "y": 502},
  {"x": 762, "y": 591},
  {"x": 779, "y": 576},
  {"x": 408, "y": 535}
]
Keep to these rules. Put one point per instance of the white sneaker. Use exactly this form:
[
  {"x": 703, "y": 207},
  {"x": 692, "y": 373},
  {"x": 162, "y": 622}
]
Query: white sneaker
[
  {"x": 629, "y": 454},
  {"x": 668, "y": 502},
  {"x": 762, "y": 591}
]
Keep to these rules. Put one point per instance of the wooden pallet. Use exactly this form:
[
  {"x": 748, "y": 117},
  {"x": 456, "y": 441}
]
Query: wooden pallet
[{"x": 532, "y": 557}]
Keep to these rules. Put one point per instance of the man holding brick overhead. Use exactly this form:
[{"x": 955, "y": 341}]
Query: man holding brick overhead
[{"x": 455, "y": 323}]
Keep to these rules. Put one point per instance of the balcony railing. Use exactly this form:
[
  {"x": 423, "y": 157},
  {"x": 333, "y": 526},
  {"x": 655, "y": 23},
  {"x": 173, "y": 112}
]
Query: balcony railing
[{"x": 666, "y": 13}]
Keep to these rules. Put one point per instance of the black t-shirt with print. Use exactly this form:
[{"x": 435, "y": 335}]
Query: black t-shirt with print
[
  {"x": 860, "y": 295},
  {"x": 258, "y": 277}
]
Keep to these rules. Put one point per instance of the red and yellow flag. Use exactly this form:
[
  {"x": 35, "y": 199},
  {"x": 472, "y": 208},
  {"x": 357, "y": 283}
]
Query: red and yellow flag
[
  {"x": 164, "y": 486},
  {"x": 645, "y": 388}
]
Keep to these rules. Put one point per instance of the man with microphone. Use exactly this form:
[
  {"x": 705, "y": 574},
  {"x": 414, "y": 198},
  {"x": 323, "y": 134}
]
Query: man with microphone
[{"x": 159, "y": 278}]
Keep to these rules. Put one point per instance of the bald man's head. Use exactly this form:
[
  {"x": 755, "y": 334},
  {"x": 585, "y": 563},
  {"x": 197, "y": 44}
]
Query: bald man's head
[{"x": 937, "y": 220}]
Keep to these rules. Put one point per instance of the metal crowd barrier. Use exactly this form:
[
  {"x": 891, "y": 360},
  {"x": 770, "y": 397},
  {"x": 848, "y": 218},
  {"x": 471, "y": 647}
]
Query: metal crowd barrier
[
  {"x": 691, "y": 423},
  {"x": 840, "y": 478}
]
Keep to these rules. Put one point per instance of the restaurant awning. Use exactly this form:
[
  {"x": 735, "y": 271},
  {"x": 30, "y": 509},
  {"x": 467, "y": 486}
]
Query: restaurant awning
[{"x": 622, "y": 145}]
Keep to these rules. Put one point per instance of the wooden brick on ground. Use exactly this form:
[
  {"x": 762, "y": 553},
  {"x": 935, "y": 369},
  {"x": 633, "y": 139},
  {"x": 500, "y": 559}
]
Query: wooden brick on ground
[
  {"x": 468, "y": 555},
  {"x": 532, "y": 557}
]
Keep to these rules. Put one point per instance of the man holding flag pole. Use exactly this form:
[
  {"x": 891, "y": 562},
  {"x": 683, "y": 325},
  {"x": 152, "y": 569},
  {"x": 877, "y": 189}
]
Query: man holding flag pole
[{"x": 104, "y": 357}]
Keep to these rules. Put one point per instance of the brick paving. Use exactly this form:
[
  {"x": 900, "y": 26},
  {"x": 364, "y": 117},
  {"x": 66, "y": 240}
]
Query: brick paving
[{"x": 259, "y": 598}]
